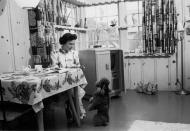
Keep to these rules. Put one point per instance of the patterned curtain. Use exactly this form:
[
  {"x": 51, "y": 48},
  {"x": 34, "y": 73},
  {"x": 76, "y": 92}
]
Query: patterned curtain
[{"x": 41, "y": 22}]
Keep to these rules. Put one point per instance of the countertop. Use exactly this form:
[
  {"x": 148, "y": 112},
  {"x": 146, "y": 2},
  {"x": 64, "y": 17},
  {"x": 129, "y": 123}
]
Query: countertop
[{"x": 148, "y": 56}]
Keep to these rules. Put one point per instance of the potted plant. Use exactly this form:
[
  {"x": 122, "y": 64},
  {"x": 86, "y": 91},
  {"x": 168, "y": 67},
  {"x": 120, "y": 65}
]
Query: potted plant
[{"x": 113, "y": 23}]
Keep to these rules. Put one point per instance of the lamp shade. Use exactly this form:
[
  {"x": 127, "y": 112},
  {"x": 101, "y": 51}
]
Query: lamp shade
[{"x": 27, "y": 3}]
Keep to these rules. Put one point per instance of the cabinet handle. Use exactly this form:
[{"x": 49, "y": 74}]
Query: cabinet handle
[
  {"x": 107, "y": 67},
  {"x": 173, "y": 61}
]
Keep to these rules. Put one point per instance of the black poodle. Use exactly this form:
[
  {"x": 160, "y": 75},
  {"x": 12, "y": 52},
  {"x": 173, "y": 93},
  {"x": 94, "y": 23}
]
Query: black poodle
[{"x": 100, "y": 102}]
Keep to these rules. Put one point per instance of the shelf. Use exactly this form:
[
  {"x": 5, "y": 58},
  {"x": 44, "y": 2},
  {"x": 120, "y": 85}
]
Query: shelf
[
  {"x": 126, "y": 27},
  {"x": 149, "y": 56},
  {"x": 70, "y": 28},
  {"x": 122, "y": 28},
  {"x": 91, "y": 29},
  {"x": 129, "y": 26}
]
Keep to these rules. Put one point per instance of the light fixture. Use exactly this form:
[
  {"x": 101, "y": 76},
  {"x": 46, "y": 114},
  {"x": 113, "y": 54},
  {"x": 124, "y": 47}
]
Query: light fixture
[{"x": 27, "y": 4}]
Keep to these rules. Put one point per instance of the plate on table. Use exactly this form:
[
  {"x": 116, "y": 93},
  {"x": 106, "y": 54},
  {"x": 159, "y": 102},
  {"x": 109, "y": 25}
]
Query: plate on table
[
  {"x": 21, "y": 74},
  {"x": 60, "y": 70}
]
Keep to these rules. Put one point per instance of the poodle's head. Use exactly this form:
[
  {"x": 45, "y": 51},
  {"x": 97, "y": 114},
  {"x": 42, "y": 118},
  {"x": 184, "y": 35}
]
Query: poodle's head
[{"x": 103, "y": 86}]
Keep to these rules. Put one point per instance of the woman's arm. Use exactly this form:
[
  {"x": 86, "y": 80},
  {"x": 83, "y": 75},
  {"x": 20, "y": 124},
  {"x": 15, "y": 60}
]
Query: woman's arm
[
  {"x": 76, "y": 59},
  {"x": 54, "y": 60}
]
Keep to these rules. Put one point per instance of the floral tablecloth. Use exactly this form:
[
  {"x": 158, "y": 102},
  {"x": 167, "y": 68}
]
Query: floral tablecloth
[{"x": 32, "y": 88}]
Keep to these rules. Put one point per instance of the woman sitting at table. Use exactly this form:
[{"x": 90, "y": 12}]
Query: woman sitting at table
[
  {"x": 68, "y": 58},
  {"x": 54, "y": 55}
]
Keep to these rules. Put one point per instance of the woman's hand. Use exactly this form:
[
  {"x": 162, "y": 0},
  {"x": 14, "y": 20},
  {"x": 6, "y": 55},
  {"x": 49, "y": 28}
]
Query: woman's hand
[
  {"x": 91, "y": 99},
  {"x": 54, "y": 67},
  {"x": 74, "y": 66}
]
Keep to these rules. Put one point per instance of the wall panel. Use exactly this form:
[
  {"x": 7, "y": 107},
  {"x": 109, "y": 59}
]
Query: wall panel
[
  {"x": 14, "y": 38},
  {"x": 20, "y": 34},
  {"x": 6, "y": 50}
]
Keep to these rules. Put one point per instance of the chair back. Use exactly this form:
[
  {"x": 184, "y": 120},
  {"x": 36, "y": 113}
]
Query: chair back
[{"x": 2, "y": 103}]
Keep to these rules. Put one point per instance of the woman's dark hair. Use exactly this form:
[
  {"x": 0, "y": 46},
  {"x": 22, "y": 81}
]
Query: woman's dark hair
[{"x": 67, "y": 37}]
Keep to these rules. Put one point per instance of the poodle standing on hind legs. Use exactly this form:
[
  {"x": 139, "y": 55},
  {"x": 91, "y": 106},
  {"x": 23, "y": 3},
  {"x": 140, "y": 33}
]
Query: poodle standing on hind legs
[{"x": 100, "y": 102}]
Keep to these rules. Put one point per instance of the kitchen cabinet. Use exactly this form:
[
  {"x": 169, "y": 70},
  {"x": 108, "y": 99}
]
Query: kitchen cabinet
[
  {"x": 6, "y": 49},
  {"x": 117, "y": 70},
  {"x": 160, "y": 71},
  {"x": 20, "y": 36},
  {"x": 186, "y": 67},
  {"x": 173, "y": 73},
  {"x": 100, "y": 63},
  {"x": 97, "y": 65},
  {"x": 126, "y": 74},
  {"x": 148, "y": 70},
  {"x": 135, "y": 72},
  {"x": 14, "y": 38},
  {"x": 103, "y": 67}
]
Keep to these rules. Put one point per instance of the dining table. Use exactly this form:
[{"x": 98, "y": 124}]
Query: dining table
[{"x": 32, "y": 87}]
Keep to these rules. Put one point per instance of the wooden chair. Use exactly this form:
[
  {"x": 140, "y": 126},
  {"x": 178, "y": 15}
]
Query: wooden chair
[{"x": 11, "y": 112}]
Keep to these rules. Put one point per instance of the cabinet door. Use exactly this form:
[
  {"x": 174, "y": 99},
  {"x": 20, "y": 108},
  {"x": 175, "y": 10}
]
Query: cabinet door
[
  {"x": 186, "y": 68},
  {"x": 135, "y": 72},
  {"x": 6, "y": 49},
  {"x": 126, "y": 74},
  {"x": 20, "y": 29},
  {"x": 162, "y": 73},
  {"x": 103, "y": 67},
  {"x": 88, "y": 60},
  {"x": 148, "y": 67},
  {"x": 172, "y": 72}
]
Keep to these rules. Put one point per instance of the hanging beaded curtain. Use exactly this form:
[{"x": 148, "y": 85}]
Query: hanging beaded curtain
[
  {"x": 41, "y": 21},
  {"x": 97, "y": 2},
  {"x": 159, "y": 26}
]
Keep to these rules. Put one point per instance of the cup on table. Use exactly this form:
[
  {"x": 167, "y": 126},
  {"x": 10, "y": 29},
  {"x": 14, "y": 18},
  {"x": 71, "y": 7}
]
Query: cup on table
[{"x": 38, "y": 68}]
